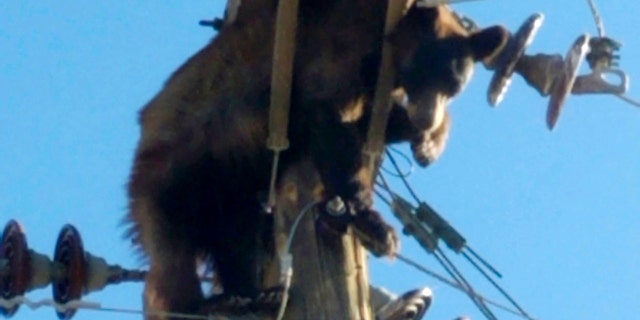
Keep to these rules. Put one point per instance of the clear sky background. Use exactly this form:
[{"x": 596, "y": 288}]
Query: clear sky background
[{"x": 556, "y": 212}]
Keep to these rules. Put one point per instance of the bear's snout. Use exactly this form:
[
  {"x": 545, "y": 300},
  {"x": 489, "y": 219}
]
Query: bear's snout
[{"x": 427, "y": 111}]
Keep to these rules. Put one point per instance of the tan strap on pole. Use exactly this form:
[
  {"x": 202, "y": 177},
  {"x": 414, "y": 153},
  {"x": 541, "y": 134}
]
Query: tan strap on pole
[
  {"x": 377, "y": 127},
  {"x": 281, "y": 78},
  {"x": 233, "y": 6},
  {"x": 382, "y": 99}
]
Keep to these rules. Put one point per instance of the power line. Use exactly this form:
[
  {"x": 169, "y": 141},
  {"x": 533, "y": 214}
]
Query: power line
[
  {"x": 495, "y": 285},
  {"x": 404, "y": 179},
  {"x": 87, "y": 305},
  {"x": 427, "y": 227},
  {"x": 406, "y": 158},
  {"x": 459, "y": 277},
  {"x": 454, "y": 285},
  {"x": 596, "y": 17},
  {"x": 95, "y": 306}
]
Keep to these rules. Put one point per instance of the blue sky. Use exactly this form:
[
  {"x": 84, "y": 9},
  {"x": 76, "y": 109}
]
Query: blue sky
[{"x": 555, "y": 212}]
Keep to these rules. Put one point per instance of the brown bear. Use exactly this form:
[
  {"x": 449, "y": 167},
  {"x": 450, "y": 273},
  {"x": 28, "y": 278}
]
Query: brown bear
[{"x": 202, "y": 161}]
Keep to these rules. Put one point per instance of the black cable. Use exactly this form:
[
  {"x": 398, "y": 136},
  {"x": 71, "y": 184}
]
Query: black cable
[
  {"x": 484, "y": 262},
  {"x": 404, "y": 180},
  {"x": 449, "y": 266},
  {"x": 496, "y": 285},
  {"x": 452, "y": 284},
  {"x": 454, "y": 272},
  {"x": 381, "y": 196},
  {"x": 400, "y": 174}
]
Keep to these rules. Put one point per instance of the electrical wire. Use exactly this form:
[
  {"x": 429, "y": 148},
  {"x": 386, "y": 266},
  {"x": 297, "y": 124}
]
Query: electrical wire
[
  {"x": 286, "y": 260},
  {"x": 417, "y": 199},
  {"x": 601, "y": 33},
  {"x": 383, "y": 184},
  {"x": 404, "y": 179},
  {"x": 97, "y": 306},
  {"x": 457, "y": 275},
  {"x": 286, "y": 274},
  {"x": 86, "y": 305},
  {"x": 484, "y": 262},
  {"x": 381, "y": 196},
  {"x": 628, "y": 100},
  {"x": 596, "y": 17},
  {"x": 496, "y": 285},
  {"x": 443, "y": 260},
  {"x": 406, "y": 158},
  {"x": 416, "y": 265}
]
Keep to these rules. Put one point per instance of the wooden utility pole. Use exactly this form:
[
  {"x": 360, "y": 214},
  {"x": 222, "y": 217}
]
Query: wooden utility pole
[{"x": 330, "y": 275}]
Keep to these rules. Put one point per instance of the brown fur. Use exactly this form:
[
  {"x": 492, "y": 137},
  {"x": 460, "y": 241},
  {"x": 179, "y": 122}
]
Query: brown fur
[{"x": 202, "y": 161}]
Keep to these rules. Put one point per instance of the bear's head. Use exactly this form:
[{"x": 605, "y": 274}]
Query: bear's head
[{"x": 436, "y": 67}]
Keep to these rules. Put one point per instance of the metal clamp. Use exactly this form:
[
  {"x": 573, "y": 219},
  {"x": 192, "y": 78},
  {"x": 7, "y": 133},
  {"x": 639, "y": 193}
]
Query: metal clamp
[{"x": 596, "y": 82}]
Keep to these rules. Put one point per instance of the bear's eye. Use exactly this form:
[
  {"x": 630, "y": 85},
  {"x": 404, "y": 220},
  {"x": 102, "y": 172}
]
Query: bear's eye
[
  {"x": 444, "y": 65},
  {"x": 455, "y": 64}
]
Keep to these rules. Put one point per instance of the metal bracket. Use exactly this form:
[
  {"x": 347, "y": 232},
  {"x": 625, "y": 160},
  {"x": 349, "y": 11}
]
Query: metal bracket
[
  {"x": 596, "y": 83},
  {"x": 404, "y": 211}
]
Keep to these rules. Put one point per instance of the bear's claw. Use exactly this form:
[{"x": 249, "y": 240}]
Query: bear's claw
[
  {"x": 266, "y": 302},
  {"x": 377, "y": 236}
]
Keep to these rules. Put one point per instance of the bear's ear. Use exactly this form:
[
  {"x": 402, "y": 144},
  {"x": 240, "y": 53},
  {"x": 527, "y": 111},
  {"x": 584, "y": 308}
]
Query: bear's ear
[{"x": 487, "y": 43}]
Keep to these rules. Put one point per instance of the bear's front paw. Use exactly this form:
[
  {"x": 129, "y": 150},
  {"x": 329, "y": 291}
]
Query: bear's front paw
[{"x": 376, "y": 235}]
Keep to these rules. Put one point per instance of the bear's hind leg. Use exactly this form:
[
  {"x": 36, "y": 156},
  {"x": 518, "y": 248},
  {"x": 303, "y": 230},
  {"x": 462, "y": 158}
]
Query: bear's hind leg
[
  {"x": 172, "y": 284},
  {"x": 239, "y": 247}
]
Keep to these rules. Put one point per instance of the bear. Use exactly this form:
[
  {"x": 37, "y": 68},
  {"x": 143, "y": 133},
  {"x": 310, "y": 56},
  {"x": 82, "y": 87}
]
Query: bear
[{"x": 202, "y": 164}]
